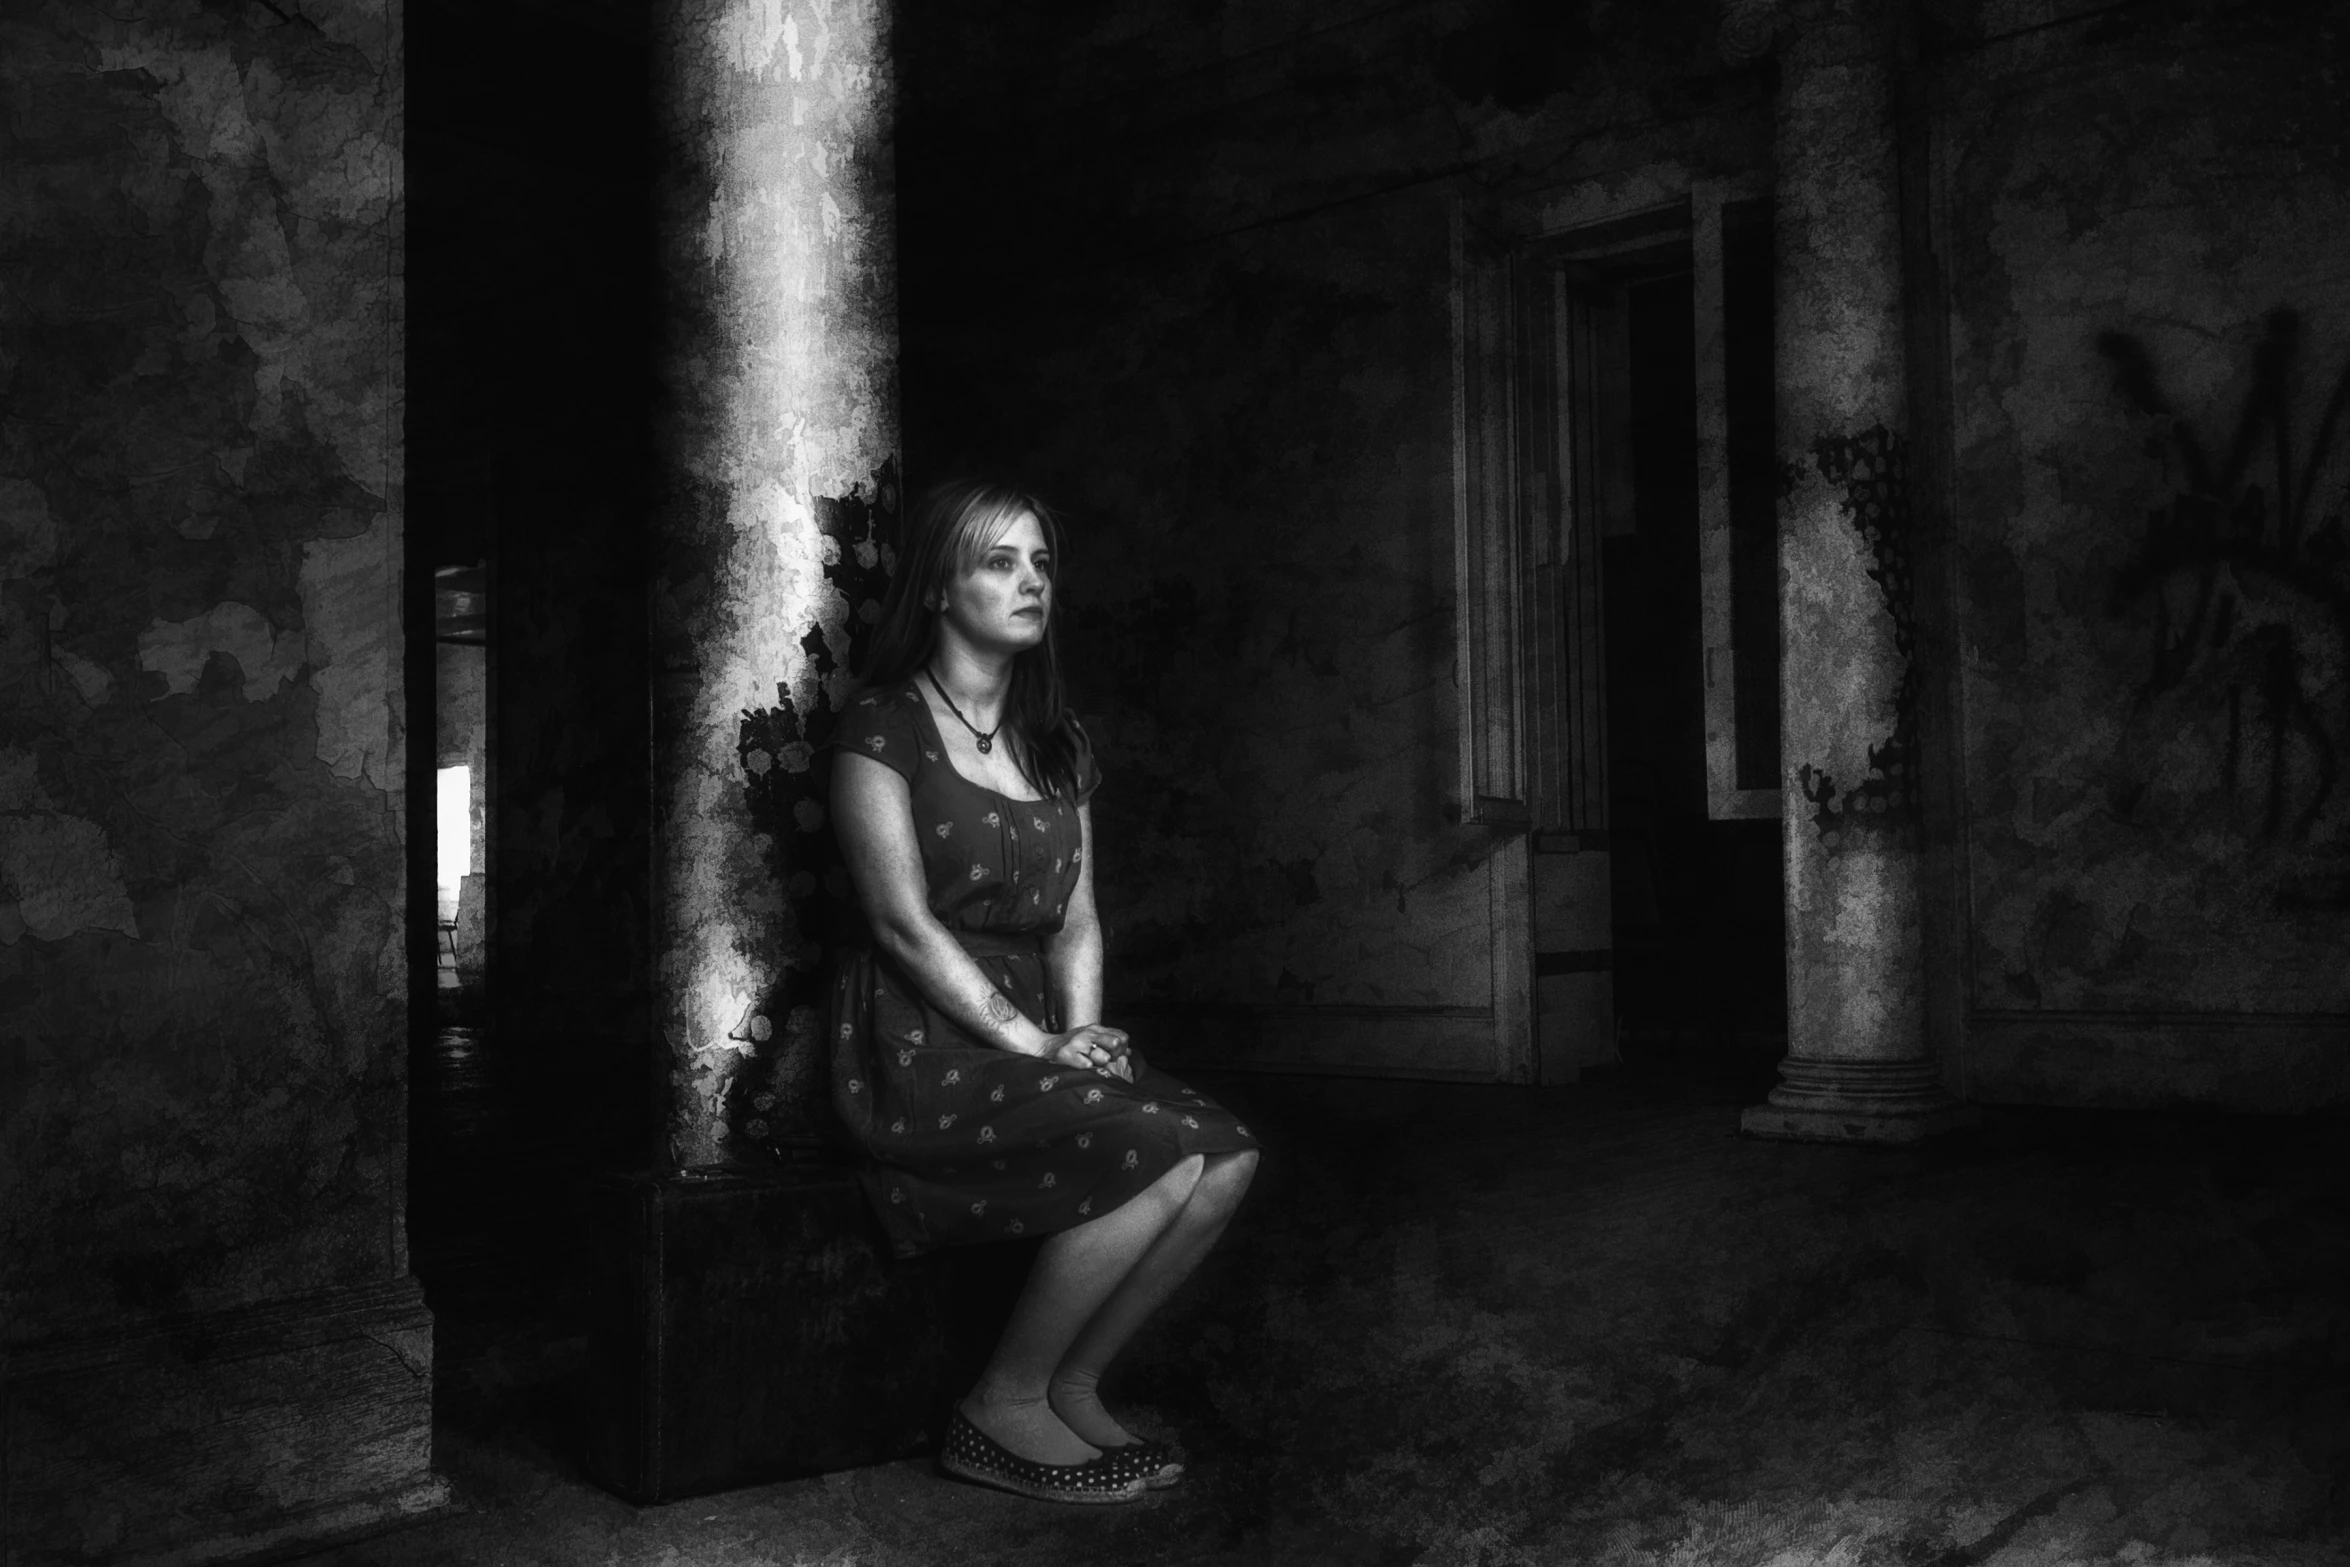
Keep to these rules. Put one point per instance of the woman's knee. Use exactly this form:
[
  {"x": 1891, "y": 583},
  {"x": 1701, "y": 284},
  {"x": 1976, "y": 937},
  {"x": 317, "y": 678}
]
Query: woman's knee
[
  {"x": 1224, "y": 1181},
  {"x": 1183, "y": 1178}
]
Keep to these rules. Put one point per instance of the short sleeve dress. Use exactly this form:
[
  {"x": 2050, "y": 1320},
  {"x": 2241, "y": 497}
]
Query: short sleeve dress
[{"x": 965, "y": 1142}]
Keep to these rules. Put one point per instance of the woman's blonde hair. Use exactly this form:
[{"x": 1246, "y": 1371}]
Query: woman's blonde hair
[{"x": 954, "y": 524}]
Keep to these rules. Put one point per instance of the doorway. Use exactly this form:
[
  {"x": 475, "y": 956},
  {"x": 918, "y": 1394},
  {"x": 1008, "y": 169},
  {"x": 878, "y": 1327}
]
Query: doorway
[
  {"x": 1617, "y": 560},
  {"x": 461, "y": 793},
  {"x": 1699, "y": 934},
  {"x": 531, "y": 337}
]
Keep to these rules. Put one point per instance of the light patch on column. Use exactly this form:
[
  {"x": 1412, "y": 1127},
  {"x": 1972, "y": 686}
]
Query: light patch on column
[{"x": 782, "y": 273}]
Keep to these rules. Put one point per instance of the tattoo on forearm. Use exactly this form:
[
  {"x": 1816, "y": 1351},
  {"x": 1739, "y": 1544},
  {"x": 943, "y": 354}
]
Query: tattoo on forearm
[{"x": 1000, "y": 1010}]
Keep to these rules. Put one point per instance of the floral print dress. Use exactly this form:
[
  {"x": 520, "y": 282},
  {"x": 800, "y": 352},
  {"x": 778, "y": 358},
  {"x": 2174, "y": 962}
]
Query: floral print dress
[{"x": 966, "y": 1142}]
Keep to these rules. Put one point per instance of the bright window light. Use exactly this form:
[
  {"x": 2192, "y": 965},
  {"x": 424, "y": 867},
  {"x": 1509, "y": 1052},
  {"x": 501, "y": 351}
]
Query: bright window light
[{"x": 453, "y": 844}]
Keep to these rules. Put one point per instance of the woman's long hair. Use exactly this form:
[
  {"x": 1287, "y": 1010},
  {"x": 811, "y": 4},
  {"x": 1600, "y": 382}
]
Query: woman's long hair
[{"x": 953, "y": 526}]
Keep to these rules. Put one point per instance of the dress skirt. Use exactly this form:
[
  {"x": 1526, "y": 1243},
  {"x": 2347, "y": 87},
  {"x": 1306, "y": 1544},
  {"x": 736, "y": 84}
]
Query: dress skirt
[{"x": 968, "y": 1143}]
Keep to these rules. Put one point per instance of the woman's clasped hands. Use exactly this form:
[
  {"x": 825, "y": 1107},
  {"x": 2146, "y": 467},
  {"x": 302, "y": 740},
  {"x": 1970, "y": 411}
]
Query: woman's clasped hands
[{"x": 1093, "y": 1045}]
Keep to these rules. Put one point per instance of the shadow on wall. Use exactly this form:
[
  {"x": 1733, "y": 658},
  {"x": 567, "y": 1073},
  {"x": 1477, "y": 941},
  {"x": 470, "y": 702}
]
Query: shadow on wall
[
  {"x": 2243, "y": 590},
  {"x": 782, "y": 1106}
]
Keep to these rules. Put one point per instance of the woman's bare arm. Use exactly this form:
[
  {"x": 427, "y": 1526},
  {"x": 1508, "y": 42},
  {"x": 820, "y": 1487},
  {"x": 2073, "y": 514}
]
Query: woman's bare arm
[
  {"x": 873, "y": 812},
  {"x": 1073, "y": 954}
]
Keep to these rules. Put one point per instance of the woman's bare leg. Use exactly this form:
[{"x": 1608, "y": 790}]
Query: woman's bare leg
[
  {"x": 1075, "y": 1272},
  {"x": 1074, "y": 1390}
]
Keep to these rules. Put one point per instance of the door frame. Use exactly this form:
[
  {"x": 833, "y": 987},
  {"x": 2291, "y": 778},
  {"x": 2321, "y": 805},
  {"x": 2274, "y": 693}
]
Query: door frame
[{"x": 1529, "y": 625}]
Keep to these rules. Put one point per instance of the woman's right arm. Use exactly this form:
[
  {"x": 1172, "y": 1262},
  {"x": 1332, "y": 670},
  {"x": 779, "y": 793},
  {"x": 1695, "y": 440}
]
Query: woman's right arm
[{"x": 873, "y": 813}]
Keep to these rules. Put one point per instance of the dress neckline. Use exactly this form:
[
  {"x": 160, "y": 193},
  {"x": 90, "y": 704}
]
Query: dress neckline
[{"x": 930, "y": 718}]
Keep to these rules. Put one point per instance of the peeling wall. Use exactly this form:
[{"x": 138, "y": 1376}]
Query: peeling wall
[
  {"x": 778, "y": 225},
  {"x": 2150, "y": 336},
  {"x": 201, "y": 739}
]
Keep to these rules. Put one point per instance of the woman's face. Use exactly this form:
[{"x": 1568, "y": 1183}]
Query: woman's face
[{"x": 1004, "y": 600}]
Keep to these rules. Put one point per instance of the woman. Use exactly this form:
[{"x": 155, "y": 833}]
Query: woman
[{"x": 970, "y": 1059}]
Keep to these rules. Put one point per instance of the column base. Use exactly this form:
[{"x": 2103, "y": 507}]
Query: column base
[
  {"x": 752, "y": 1326},
  {"x": 1857, "y": 1102}
]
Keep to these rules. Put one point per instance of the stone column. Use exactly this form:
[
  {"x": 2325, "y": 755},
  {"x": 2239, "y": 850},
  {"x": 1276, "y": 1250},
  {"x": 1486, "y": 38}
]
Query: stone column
[
  {"x": 779, "y": 440},
  {"x": 1858, "y": 1065}
]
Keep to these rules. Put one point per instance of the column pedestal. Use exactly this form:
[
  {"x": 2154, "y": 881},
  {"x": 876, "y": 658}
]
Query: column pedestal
[
  {"x": 751, "y": 1327},
  {"x": 1857, "y": 1102}
]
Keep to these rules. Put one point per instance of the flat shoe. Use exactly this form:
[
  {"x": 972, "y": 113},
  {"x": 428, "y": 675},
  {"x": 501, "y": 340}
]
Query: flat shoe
[
  {"x": 971, "y": 1454},
  {"x": 1154, "y": 1460}
]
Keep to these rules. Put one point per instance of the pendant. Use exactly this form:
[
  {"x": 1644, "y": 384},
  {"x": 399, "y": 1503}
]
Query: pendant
[{"x": 986, "y": 744}]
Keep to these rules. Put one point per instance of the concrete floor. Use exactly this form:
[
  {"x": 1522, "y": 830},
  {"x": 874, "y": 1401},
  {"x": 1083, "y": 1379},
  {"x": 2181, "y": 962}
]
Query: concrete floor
[{"x": 1463, "y": 1325}]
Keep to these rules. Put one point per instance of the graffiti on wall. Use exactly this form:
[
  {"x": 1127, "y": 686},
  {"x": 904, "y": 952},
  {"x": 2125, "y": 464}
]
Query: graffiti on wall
[
  {"x": 781, "y": 1106},
  {"x": 1872, "y": 469},
  {"x": 2241, "y": 584}
]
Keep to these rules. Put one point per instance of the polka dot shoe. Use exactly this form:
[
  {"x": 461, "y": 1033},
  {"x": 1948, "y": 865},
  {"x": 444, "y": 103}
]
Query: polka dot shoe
[
  {"x": 1154, "y": 1461},
  {"x": 971, "y": 1454}
]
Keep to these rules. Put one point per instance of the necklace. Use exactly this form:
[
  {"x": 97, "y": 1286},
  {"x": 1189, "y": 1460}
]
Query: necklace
[{"x": 987, "y": 740}]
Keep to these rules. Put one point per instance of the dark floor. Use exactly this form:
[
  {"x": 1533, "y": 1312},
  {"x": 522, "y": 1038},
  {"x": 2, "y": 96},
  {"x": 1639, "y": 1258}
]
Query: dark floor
[{"x": 1467, "y": 1325}]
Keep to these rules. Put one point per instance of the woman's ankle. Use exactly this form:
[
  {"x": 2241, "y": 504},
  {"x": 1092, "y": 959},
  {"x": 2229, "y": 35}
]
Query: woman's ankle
[
  {"x": 1029, "y": 1427},
  {"x": 1082, "y": 1387},
  {"x": 1005, "y": 1396},
  {"x": 1077, "y": 1400}
]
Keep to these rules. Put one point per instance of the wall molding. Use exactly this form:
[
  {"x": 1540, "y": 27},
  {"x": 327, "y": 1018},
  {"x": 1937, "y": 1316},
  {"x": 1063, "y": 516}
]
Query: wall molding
[
  {"x": 2267, "y": 1062},
  {"x": 2152, "y": 1018},
  {"x": 1437, "y": 1043}
]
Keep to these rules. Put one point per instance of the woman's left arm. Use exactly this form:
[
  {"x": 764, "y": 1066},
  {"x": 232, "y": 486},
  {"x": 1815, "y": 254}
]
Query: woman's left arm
[{"x": 1073, "y": 954}]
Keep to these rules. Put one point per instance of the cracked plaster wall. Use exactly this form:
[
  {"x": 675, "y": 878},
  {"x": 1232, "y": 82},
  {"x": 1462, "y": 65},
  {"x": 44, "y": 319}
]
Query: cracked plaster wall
[
  {"x": 201, "y": 791},
  {"x": 781, "y": 368},
  {"x": 2157, "y": 666}
]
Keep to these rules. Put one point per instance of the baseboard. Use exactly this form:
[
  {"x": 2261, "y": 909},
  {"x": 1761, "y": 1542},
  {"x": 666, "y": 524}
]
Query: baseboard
[
  {"x": 220, "y": 1435},
  {"x": 2268, "y": 1063},
  {"x": 1442, "y": 1044}
]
